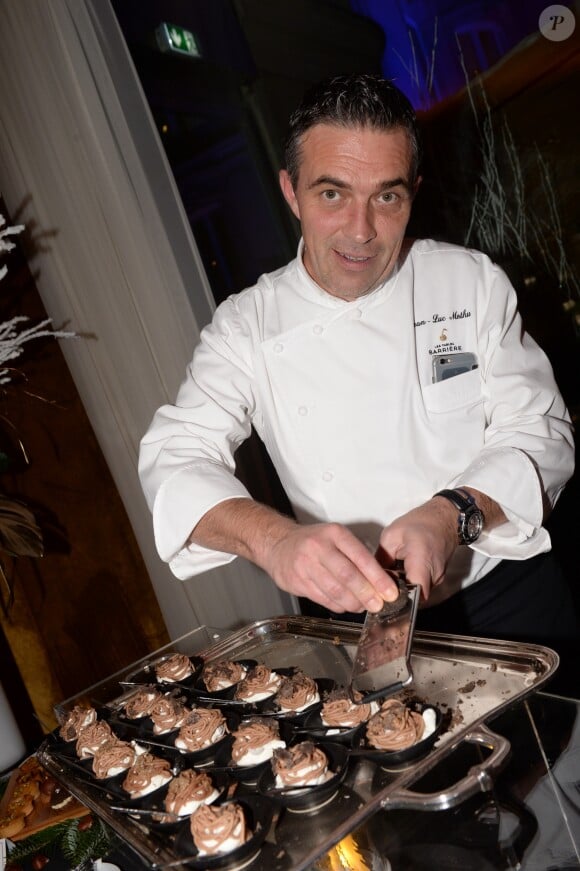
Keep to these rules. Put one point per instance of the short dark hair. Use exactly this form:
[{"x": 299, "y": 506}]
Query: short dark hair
[{"x": 357, "y": 100}]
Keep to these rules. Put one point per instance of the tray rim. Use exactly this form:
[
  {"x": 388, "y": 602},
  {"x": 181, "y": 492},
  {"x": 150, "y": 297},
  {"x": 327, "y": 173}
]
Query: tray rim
[{"x": 541, "y": 659}]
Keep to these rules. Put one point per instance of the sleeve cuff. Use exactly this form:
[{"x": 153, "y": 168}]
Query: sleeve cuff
[
  {"x": 180, "y": 504},
  {"x": 510, "y": 478},
  {"x": 509, "y": 542}
]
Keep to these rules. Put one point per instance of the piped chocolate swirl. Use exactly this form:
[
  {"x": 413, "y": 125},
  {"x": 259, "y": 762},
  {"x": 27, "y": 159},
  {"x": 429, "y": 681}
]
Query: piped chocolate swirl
[
  {"x": 255, "y": 741},
  {"x": 78, "y": 718},
  {"x": 176, "y": 667},
  {"x": 202, "y": 728},
  {"x": 259, "y": 683},
  {"x": 147, "y": 774},
  {"x": 394, "y": 727},
  {"x": 221, "y": 675},
  {"x": 301, "y": 765},
  {"x": 297, "y": 692},
  {"x": 167, "y": 714},
  {"x": 340, "y": 710},
  {"x": 188, "y": 791},
  {"x": 218, "y": 829}
]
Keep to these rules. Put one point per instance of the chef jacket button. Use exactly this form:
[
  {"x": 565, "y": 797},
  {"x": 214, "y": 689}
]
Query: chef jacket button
[
  {"x": 317, "y": 329},
  {"x": 327, "y": 476},
  {"x": 302, "y": 410},
  {"x": 278, "y": 347}
]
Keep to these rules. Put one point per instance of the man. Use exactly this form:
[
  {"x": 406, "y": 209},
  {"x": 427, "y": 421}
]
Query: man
[{"x": 332, "y": 360}]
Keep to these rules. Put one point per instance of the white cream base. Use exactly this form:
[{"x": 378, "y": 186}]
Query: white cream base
[
  {"x": 430, "y": 719},
  {"x": 174, "y": 679},
  {"x": 219, "y": 733},
  {"x": 192, "y": 806},
  {"x": 157, "y": 782},
  {"x": 226, "y": 684},
  {"x": 230, "y": 844},
  {"x": 112, "y": 772},
  {"x": 326, "y": 775},
  {"x": 313, "y": 701},
  {"x": 259, "y": 697},
  {"x": 88, "y": 752},
  {"x": 178, "y": 725},
  {"x": 374, "y": 708},
  {"x": 260, "y": 754}
]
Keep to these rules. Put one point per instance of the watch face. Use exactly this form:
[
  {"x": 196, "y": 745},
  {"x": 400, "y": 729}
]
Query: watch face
[{"x": 473, "y": 525}]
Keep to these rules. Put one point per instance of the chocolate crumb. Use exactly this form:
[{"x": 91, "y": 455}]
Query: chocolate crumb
[
  {"x": 457, "y": 718},
  {"x": 468, "y": 688}
]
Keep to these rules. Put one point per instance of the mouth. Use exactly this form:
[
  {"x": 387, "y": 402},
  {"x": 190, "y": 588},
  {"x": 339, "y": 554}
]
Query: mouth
[{"x": 353, "y": 259}]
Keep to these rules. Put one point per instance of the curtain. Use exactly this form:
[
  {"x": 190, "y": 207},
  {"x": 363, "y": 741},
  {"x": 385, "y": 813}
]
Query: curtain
[{"x": 82, "y": 166}]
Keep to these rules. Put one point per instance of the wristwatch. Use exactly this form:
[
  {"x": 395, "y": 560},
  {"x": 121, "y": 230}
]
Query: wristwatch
[{"x": 470, "y": 519}]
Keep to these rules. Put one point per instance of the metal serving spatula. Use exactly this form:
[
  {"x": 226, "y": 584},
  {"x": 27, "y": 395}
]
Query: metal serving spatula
[{"x": 382, "y": 664}]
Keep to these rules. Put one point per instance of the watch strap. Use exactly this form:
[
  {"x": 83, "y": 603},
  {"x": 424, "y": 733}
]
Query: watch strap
[
  {"x": 459, "y": 497},
  {"x": 470, "y": 519}
]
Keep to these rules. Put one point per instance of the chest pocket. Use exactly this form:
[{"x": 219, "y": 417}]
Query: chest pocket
[{"x": 453, "y": 394}]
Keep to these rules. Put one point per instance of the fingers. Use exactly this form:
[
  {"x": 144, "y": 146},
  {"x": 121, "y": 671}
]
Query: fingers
[
  {"x": 420, "y": 573},
  {"x": 329, "y": 565},
  {"x": 425, "y": 541},
  {"x": 354, "y": 572},
  {"x": 341, "y": 589}
]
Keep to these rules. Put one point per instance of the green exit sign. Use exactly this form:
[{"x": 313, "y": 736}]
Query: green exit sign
[{"x": 170, "y": 37}]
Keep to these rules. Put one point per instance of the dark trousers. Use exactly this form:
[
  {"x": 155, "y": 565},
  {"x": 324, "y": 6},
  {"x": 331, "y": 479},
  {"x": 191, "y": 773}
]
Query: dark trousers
[{"x": 527, "y": 600}]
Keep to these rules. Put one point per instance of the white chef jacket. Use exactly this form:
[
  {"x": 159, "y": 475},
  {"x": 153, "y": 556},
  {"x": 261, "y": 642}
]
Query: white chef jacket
[{"x": 342, "y": 395}]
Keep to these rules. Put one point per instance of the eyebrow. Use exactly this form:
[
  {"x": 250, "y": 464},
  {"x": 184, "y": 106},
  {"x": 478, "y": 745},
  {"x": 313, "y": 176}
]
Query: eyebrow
[{"x": 342, "y": 185}]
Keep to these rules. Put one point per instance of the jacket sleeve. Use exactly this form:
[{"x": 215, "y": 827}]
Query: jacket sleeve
[
  {"x": 186, "y": 461},
  {"x": 528, "y": 452}
]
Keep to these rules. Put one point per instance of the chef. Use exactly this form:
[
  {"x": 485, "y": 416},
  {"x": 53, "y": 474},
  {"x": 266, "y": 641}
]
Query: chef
[{"x": 409, "y": 417}]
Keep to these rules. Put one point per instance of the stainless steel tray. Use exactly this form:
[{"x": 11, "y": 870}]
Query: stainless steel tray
[{"x": 472, "y": 679}]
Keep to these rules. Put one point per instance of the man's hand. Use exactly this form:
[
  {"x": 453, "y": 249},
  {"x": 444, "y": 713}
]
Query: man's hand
[
  {"x": 424, "y": 539},
  {"x": 324, "y": 562}
]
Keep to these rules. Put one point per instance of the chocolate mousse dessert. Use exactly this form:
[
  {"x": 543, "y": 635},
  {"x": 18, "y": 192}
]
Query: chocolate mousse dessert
[
  {"x": 77, "y": 718},
  {"x": 147, "y": 774},
  {"x": 92, "y": 737},
  {"x": 141, "y": 704},
  {"x": 176, "y": 667},
  {"x": 255, "y": 741},
  {"x": 222, "y": 675},
  {"x": 301, "y": 765},
  {"x": 297, "y": 692},
  {"x": 341, "y": 711},
  {"x": 259, "y": 683},
  {"x": 188, "y": 791},
  {"x": 113, "y": 758},
  {"x": 202, "y": 728},
  {"x": 167, "y": 714},
  {"x": 394, "y": 727},
  {"x": 218, "y": 829}
]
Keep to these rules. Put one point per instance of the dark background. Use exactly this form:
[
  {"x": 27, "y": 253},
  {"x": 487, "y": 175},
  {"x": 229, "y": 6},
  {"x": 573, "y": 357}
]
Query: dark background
[{"x": 464, "y": 65}]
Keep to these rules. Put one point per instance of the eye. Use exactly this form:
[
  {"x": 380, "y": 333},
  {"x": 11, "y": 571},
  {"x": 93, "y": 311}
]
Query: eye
[
  {"x": 330, "y": 195},
  {"x": 389, "y": 197}
]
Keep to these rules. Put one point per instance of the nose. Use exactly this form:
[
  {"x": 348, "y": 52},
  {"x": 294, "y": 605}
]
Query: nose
[{"x": 360, "y": 226}]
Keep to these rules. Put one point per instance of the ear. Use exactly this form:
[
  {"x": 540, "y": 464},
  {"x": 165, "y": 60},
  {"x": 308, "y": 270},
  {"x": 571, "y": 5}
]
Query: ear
[
  {"x": 417, "y": 185},
  {"x": 288, "y": 191}
]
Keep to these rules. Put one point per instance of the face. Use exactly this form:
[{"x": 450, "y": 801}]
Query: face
[{"x": 353, "y": 200}]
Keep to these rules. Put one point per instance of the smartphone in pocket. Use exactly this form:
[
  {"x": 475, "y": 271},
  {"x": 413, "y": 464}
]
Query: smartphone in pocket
[{"x": 449, "y": 365}]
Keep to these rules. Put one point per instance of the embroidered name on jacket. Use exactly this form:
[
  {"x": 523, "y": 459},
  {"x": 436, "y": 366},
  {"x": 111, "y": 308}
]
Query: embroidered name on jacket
[{"x": 441, "y": 319}]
